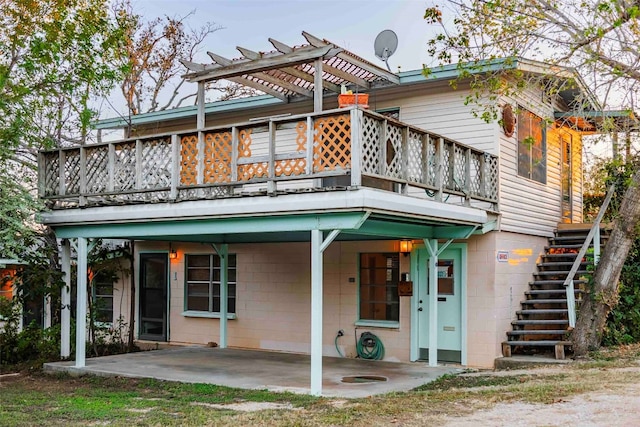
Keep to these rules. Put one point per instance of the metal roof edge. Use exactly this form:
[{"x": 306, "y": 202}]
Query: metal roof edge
[{"x": 189, "y": 111}]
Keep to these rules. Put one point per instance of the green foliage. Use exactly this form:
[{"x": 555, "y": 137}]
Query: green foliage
[
  {"x": 623, "y": 324},
  {"x": 31, "y": 346}
]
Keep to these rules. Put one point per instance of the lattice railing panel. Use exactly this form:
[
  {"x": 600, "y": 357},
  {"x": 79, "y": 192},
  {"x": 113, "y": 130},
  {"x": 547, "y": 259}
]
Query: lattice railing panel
[
  {"x": 415, "y": 158},
  {"x": 97, "y": 169},
  {"x": 205, "y": 193},
  {"x": 72, "y": 172},
  {"x": 189, "y": 160},
  {"x": 124, "y": 176},
  {"x": 393, "y": 161},
  {"x": 253, "y": 171},
  {"x": 244, "y": 143},
  {"x": 291, "y": 167},
  {"x": 371, "y": 148},
  {"x": 217, "y": 155},
  {"x": 155, "y": 163},
  {"x": 476, "y": 175},
  {"x": 447, "y": 166},
  {"x": 432, "y": 162},
  {"x": 459, "y": 169},
  {"x": 51, "y": 173},
  {"x": 491, "y": 174},
  {"x": 332, "y": 143}
]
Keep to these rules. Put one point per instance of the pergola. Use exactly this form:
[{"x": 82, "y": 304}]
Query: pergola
[{"x": 291, "y": 73}]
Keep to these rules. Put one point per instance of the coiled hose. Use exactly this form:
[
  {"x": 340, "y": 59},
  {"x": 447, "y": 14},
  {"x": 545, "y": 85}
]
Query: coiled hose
[{"x": 369, "y": 346}]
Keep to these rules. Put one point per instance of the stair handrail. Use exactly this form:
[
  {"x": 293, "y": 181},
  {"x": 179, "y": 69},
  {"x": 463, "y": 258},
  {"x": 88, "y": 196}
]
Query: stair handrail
[{"x": 568, "y": 282}]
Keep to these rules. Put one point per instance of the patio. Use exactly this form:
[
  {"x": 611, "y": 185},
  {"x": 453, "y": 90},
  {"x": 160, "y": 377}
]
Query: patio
[{"x": 259, "y": 370}]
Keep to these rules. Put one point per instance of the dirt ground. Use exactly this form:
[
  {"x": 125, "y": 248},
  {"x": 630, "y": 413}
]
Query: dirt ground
[
  {"x": 616, "y": 406},
  {"x": 587, "y": 410}
]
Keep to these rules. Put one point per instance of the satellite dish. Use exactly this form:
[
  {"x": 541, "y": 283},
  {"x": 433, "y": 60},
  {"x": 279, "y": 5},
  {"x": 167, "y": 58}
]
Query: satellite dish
[{"x": 385, "y": 45}]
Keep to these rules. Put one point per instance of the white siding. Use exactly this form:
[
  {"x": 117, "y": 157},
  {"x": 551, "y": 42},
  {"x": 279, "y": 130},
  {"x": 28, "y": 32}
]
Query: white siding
[{"x": 528, "y": 206}]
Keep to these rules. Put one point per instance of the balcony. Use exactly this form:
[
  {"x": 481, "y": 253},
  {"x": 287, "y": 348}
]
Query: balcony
[{"x": 333, "y": 150}]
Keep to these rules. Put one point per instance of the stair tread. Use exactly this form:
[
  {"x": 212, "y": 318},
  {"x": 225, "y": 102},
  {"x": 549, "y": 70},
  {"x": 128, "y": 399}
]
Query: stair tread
[
  {"x": 540, "y": 343},
  {"x": 554, "y": 282},
  {"x": 560, "y": 264},
  {"x": 550, "y": 291},
  {"x": 524, "y": 322},
  {"x": 537, "y": 332},
  {"x": 543, "y": 311},
  {"x": 545, "y": 301},
  {"x": 558, "y": 272}
]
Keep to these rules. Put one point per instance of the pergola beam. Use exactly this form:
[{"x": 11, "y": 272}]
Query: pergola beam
[
  {"x": 299, "y": 56},
  {"x": 314, "y": 41}
]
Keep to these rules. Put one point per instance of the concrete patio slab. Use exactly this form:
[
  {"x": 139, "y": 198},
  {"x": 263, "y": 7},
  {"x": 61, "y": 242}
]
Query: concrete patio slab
[{"x": 252, "y": 369}]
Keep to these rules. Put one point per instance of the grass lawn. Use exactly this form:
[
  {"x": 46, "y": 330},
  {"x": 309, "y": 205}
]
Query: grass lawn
[{"x": 38, "y": 399}]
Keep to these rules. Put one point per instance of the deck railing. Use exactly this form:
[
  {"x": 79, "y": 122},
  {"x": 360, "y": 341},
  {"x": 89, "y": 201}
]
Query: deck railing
[{"x": 293, "y": 153}]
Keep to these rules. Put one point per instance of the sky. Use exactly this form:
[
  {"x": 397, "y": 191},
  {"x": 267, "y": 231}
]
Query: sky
[{"x": 351, "y": 24}]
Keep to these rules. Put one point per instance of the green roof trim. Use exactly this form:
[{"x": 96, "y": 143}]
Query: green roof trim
[{"x": 189, "y": 111}]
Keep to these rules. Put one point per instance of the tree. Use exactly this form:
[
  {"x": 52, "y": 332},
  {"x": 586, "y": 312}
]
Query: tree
[
  {"x": 597, "y": 38},
  {"x": 153, "y": 48},
  {"x": 55, "y": 55}
]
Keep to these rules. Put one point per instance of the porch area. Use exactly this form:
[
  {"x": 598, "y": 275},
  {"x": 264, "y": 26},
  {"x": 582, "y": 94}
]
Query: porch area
[
  {"x": 335, "y": 150},
  {"x": 260, "y": 370}
]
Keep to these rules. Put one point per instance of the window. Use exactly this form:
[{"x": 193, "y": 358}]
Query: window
[
  {"x": 203, "y": 283},
  {"x": 379, "y": 276},
  {"x": 103, "y": 298},
  {"x": 532, "y": 147}
]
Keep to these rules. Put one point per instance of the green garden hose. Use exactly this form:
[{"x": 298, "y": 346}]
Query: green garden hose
[{"x": 369, "y": 346}]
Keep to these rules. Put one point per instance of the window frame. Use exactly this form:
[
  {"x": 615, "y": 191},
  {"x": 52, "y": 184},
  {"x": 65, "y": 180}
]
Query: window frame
[
  {"x": 97, "y": 299},
  {"x": 395, "y": 277},
  {"x": 531, "y": 158},
  {"x": 212, "y": 285}
]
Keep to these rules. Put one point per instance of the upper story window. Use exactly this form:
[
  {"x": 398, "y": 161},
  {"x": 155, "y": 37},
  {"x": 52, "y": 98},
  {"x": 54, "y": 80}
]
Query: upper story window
[
  {"x": 203, "y": 283},
  {"x": 379, "y": 277},
  {"x": 532, "y": 147}
]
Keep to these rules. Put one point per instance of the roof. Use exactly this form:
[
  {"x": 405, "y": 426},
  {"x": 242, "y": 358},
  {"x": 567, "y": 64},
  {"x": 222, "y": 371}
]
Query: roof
[{"x": 346, "y": 63}]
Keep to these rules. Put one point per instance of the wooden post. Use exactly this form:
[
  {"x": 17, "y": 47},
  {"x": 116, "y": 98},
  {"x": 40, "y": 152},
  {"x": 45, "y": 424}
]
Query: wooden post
[
  {"x": 271, "y": 184},
  {"x": 175, "y": 166},
  {"x": 317, "y": 86},
  {"x": 356, "y": 148},
  {"x": 111, "y": 166},
  {"x": 440, "y": 169},
  {"x": 405, "y": 160},
  {"x": 234, "y": 153},
  {"x": 138, "y": 165},
  {"x": 200, "y": 121},
  {"x": 467, "y": 178},
  {"x": 82, "y": 200}
]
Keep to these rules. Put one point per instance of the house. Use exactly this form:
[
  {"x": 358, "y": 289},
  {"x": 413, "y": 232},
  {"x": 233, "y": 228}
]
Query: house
[{"x": 282, "y": 221}]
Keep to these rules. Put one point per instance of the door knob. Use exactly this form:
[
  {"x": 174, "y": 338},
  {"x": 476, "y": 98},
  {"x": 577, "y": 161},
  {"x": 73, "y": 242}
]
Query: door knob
[{"x": 419, "y": 308}]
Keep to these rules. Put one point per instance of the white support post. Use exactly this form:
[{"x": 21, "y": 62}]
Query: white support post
[
  {"x": 224, "y": 292},
  {"x": 432, "y": 249},
  {"x": 46, "y": 321},
  {"x": 316, "y": 313},
  {"x": 65, "y": 301},
  {"x": 317, "y": 86},
  {"x": 81, "y": 304},
  {"x": 318, "y": 246},
  {"x": 200, "y": 101}
]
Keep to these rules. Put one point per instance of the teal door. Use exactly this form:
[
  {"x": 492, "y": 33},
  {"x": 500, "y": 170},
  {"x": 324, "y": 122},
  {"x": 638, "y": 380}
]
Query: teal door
[{"x": 449, "y": 301}]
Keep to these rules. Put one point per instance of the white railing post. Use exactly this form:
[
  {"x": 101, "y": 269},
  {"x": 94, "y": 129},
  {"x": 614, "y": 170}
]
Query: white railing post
[
  {"x": 234, "y": 153},
  {"x": 356, "y": 148},
  {"x": 467, "y": 178},
  {"x": 271, "y": 166},
  {"x": 138, "y": 165},
  {"x": 568, "y": 282},
  {"x": 175, "y": 166},
  {"x": 82, "y": 200},
  {"x": 439, "y": 172}
]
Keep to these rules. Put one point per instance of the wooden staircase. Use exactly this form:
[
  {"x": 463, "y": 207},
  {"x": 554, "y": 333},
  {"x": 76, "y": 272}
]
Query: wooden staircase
[{"x": 542, "y": 323}]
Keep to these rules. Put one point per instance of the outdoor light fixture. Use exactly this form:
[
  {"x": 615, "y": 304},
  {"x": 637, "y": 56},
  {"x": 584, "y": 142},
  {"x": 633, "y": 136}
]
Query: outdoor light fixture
[
  {"x": 406, "y": 246},
  {"x": 172, "y": 253}
]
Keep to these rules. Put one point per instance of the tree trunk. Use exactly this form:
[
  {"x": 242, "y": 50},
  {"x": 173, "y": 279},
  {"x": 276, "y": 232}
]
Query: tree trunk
[{"x": 603, "y": 296}]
